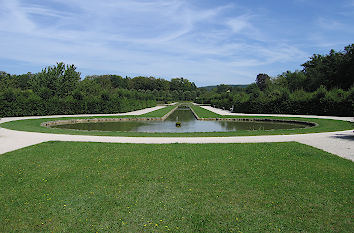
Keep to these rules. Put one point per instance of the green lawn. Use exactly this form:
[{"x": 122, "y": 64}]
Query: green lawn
[
  {"x": 160, "y": 112},
  {"x": 324, "y": 125},
  {"x": 103, "y": 187},
  {"x": 204, "y": 113}
]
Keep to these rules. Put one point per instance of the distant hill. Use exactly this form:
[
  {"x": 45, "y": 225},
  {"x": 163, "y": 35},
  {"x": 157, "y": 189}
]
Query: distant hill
[{"x": 209, "y": 88}]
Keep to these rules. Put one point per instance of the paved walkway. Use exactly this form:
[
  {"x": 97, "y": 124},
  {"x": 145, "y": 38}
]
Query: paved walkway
[
  {"x": 137, "y": 112},
  {"x": 226, "y": 112},
  {"x": 339, "y": 143}
]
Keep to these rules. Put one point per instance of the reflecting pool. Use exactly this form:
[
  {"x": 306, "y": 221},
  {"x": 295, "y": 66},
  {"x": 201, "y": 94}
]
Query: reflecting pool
[{"x": 188, "y": 124}]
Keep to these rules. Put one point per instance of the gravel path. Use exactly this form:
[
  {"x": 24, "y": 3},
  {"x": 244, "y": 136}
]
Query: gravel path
[
  {"x": 137, "y": 112},
  {"x": 340, "y": 143},
  {"x": 226, "y": 112}
]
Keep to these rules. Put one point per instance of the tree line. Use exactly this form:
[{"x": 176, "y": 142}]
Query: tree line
[
  {"x": 59, "y": 89},
  {"x": 325, "y": 86}
]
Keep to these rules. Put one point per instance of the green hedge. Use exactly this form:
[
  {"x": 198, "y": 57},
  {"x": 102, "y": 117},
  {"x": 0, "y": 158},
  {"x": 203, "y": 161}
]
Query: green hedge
[
  {"x": 321, "y": 102},
  {"x": 26, "y": 103}
]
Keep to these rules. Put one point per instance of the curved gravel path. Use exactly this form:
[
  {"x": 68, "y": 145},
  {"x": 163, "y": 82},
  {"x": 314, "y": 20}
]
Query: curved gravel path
[
  {"x": 340, "y": 143},
  {"x": 228, "y": 113}
]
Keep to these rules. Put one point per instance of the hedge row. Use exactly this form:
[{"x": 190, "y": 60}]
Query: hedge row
[
  {"x": 24, "y": 104},
  {"x": 335, "y": 102}
]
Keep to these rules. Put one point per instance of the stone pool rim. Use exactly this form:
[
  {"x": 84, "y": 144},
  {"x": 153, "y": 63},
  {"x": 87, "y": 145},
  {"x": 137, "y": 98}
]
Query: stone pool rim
[{"x": 50, "y": 124}]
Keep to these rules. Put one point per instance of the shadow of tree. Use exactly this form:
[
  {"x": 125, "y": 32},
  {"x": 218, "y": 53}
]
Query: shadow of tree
[{"x": 344, "y": 136}]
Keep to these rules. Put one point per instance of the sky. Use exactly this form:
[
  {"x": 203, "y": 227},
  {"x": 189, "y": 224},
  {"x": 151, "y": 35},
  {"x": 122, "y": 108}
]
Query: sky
[{"x": 208, "y": 42}]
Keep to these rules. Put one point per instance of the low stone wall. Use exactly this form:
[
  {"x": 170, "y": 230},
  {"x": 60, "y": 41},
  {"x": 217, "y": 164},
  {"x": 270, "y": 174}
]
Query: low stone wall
[
  {"x": 195, "y": 114},
  {"x": 95, "y": 120},
  {"x": 169, "y": 113}
]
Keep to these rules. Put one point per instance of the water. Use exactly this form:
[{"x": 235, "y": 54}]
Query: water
[{"x": 188, "y": 124}]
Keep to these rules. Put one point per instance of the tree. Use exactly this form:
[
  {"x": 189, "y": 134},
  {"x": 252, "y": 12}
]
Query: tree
[
  {"x": 291, "y": 80},
  {"x": 5, "y": 80},
  {"x": 222, "y": 88},
  {"x": 182, "y": 84},
  {"x": 118, "y": 82},
  {"x": 262, "y": 81},
  {"x": 335, "y": 70},
  {"x": 22, "y": 81},
  {"x": 60, "y": 80},
  {"x": 347, "y": 68},
  {"x": 68, "y": 80}
]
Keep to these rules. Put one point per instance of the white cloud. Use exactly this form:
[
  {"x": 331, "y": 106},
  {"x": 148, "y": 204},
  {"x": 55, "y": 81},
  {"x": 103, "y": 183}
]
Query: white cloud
[
  {"x": 330, "y": 24},
  {"x": 240, "y": 24},
  {"x": 152, "y": 37},
  {"x": 13, "y": 18}
]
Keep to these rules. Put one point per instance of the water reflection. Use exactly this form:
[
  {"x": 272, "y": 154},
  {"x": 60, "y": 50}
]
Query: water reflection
[{"x": 188, "y": 124}]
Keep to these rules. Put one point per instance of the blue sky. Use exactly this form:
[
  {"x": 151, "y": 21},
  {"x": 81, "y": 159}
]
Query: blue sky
[{"x": 206, "y": 41}]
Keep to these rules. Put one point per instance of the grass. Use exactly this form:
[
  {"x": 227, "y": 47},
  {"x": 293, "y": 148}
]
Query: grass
[
  {"x": 324, "y": 125},
  {"x": 159, "y": 112},
  {"x": 204, "y": 113},
  {"x": 98, "y": 187}
]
